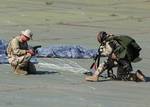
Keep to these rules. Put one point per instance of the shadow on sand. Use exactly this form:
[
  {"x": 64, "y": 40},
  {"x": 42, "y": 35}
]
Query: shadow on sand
[
  {"x": 44, "y": 73},
  {"x": 147, "y": 79}
]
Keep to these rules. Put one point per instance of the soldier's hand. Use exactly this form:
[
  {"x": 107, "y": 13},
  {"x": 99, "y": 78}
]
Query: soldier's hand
[{"x": 31, "y": 52}]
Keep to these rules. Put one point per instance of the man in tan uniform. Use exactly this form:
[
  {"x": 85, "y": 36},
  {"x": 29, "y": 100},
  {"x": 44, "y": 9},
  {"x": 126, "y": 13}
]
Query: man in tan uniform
[{"x": 19, "y": 54}]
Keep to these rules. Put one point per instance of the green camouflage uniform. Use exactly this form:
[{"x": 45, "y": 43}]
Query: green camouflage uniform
[{"x": 18, "y": 57}]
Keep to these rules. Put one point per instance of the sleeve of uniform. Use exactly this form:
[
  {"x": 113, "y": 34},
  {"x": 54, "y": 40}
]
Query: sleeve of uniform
[
  {"x": 106, "y": 50},
  {"x": 16, "y": 48}
]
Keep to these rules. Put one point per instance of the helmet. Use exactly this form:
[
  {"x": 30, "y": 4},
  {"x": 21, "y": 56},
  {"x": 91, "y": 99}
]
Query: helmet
[{"x": 101, "y": 36}]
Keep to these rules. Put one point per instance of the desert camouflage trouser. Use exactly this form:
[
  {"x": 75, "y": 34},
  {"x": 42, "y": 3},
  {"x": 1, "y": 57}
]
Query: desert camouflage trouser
[
  {"x": 22, "y": 65},
  {"x": 124, "y": 70}
]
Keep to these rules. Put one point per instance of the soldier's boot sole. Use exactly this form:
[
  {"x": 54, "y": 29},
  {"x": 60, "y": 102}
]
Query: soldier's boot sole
[
  {"x": 140, "y": 76},
  {"x": 91, "y": 78}
]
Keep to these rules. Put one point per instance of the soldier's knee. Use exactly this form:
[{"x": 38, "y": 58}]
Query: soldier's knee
[
  {"x": 27, "y": 57},
  {"x": 101, "y": 67}
]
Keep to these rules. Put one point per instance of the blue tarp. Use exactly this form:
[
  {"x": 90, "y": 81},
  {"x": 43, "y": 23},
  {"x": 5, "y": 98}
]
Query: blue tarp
[
  {"x": 66, "y": 51},
  {"x": 56, "y": 51},
  {"x": 3, "y": 56}
]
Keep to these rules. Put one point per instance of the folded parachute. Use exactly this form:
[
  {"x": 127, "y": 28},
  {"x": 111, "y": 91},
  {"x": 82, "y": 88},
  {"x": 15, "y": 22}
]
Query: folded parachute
[
  {"x": 55, "y": 51},
  {"x": 66, "y": 51}
]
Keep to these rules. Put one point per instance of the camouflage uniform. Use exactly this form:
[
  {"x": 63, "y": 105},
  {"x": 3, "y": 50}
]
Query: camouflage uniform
[
  {"x": 125, "y": 55},
  {"x": 18, "y": 57}
]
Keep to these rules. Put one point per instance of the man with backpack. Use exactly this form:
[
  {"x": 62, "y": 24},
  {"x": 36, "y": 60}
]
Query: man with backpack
[{"x": 121, "y": 51}]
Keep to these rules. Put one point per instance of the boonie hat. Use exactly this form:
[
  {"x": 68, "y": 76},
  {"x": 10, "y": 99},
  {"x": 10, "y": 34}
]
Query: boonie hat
[{"x": 27, "y": 33}]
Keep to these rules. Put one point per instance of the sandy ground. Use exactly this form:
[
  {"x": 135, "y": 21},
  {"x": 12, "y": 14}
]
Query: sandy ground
[{"x": 73, "y": 22}]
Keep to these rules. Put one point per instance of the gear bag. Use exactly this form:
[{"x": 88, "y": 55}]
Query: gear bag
[{"x": 133, "y": 49}]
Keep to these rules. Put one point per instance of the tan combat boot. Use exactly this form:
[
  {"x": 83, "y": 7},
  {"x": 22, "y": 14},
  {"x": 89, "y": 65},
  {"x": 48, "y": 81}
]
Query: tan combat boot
[
  {"x": 93, "y": 78},
  {"x": 140, "y": 76},
  {"x": 20, "y": 71}
]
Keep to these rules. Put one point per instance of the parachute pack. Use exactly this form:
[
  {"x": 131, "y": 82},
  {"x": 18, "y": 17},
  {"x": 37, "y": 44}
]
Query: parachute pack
[{"x": 130, "y": 44}]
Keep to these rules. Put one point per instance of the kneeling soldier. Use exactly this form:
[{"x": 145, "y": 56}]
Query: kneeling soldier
[
  {"x": 19, "y": 54},
  {"x": 121, "y": 49}
]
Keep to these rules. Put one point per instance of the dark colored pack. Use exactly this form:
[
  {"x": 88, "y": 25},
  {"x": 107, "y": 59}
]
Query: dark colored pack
[{"x": 133, "y": 49}]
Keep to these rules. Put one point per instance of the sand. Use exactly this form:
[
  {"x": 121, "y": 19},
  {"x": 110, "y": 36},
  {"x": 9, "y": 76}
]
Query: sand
[{"x": 73, "y": 22}]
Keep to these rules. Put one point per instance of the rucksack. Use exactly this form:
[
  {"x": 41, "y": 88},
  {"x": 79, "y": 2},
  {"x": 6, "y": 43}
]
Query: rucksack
[{"x": 132, "y": 47}]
